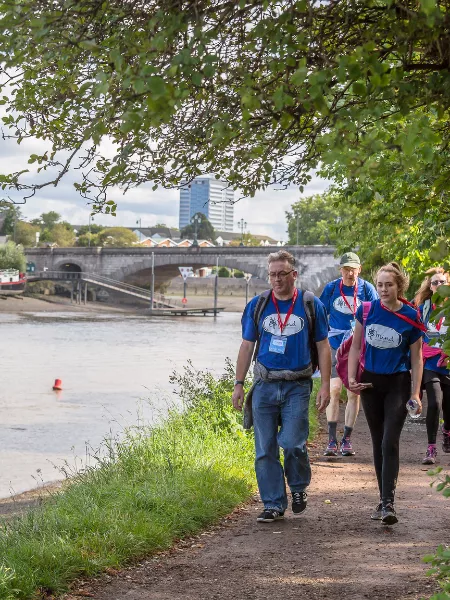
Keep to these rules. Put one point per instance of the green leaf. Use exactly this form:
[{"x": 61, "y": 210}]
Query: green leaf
[
  {"x": 359, "y": 88},
  {"x": 298, "y": 77},
  {"x": 443, "y": 291},
  {"x": 88, "y": 44},
  {"x": 197, "y": 78},
  {"x": 428, "y": 6},
  {"x": 156, "y": 86}
]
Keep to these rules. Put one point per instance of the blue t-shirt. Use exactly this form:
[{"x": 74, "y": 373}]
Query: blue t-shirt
[
  {"x": 297, "y": 355},
  {"x": 388, "y": 339},
  {"x": 339, "y": 314},
  {"x": 434, "y": 334}
]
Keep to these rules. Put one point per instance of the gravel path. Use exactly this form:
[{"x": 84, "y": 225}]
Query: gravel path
[{"x": 332, "y": 551}]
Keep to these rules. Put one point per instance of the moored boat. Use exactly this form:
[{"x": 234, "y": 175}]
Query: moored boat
[{"x": 12, "y": 282}]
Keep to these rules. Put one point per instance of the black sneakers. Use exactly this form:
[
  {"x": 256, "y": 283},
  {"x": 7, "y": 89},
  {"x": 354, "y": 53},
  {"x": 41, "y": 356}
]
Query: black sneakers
[
  {"x": 445, "y": 440},
  {"x": 269, "y": 515},
  {"x": 299, "y": 502},
  {"x": 388, "y": 516}
]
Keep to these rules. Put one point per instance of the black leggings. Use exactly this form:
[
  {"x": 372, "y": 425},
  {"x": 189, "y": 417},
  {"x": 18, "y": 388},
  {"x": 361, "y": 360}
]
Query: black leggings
[
  {"x": 385, "y": 409},
  {"x": 438, "y": 395}
]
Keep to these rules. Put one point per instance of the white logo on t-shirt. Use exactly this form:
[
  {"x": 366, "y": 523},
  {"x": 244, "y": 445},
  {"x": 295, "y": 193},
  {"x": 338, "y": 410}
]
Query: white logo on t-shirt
[
  {"x": 340, "y": 305},
  {"x": 294, "y": 325},
  {"x": 382, "y": 337}
]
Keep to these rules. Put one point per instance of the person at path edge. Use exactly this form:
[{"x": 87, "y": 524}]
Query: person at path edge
[
  {"x": 341, "y": 299},
  {"x": 282, "y": 385},
  {"x": 436, "y": 376}
]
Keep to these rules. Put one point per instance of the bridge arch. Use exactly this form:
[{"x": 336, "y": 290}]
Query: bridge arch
[{"x": 68, "y": 267}]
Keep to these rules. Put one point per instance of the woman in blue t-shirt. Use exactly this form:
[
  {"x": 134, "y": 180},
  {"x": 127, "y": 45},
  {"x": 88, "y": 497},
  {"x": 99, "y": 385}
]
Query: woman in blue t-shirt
[
  {"x": 392, "y": 345},
  {"x": 436, "y": 378}
]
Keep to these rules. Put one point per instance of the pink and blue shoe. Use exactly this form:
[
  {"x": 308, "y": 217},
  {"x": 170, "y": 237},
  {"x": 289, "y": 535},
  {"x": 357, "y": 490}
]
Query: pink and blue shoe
[
  {"x": 332, "y": 448},
  {"x": 430, "y": 456},
  {"x": 346, "y": 447}
]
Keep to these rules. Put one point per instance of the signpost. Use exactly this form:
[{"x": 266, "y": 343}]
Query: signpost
[
  {"x": 247, "y": 281},
  {"x": 185, "y": 273}
]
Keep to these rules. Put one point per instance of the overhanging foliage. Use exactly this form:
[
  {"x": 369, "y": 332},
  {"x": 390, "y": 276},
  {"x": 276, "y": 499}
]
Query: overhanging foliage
[{"x": 257, "y": 91}]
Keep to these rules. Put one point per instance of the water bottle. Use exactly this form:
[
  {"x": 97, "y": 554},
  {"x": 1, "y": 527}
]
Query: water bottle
[{"x": 413, "y": 407}]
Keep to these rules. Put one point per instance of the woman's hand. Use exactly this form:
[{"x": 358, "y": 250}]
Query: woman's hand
[
  {"x": 419, "y": 402},
  {"x": 356, "y": 387}
]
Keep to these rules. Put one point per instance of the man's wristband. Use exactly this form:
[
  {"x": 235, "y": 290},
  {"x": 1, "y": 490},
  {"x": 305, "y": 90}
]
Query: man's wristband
[{"x": 237, "y": 382}]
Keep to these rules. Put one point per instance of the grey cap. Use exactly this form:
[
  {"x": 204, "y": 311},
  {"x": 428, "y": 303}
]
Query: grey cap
[{"x": 350, "y": 259}]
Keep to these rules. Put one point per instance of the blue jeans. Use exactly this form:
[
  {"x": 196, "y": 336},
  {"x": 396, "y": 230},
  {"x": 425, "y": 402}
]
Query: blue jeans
[{"x": 288, "y": 401}]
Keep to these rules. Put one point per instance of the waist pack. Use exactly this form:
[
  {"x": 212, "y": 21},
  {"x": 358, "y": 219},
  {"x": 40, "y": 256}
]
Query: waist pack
[{"x": 344, "y": 350}]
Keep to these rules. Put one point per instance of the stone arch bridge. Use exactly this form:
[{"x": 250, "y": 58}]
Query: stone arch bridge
[{"x": 316, "y": 264}]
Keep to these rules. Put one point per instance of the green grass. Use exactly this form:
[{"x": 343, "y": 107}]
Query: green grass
[{"x": 157, "y": 485}]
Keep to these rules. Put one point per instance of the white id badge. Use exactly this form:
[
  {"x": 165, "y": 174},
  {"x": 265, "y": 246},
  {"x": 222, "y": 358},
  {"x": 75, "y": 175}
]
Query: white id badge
[
  {"x": 278, "y": 344},
  {"x": 352, "y": 324}
]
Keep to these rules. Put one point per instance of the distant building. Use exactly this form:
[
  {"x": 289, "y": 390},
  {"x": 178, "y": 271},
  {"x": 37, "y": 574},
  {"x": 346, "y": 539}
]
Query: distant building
[
  {"x": 224, "y": 238},
  {"x": 210, "y": 196},
  {"x": 156, "y": 232}
]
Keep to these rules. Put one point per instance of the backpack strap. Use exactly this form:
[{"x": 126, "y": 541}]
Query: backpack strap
[
  {"x": 334, "y": 287},
  {"x": 366, "y": 308},
  {"x": 365, "y": 290},
  {"x": 417, "y": 323},
  {"x": 261, "y": 303},
  {"x": 310, "y": 310}
]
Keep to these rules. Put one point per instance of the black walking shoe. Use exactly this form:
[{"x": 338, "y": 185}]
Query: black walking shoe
[
  {"x": 388, "y": 516},
  {"x": 445, "y": 440},
  {"x": 269, "y": 515},
  {"x": 299, "y": 502}
]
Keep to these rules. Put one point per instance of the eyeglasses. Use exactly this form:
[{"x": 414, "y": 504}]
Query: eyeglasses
[
  {"x": 438, "y": 282},
  {"x": 280, "y": 274}
]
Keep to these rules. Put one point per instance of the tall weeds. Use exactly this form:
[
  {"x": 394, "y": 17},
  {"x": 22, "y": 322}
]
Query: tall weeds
[{"x": 158, "y": 484}]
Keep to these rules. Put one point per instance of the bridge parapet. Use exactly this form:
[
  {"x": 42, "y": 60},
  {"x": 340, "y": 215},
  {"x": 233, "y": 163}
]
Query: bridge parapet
[{"x": 316, "y": 264}]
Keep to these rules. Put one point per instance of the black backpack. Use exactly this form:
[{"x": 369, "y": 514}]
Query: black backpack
[{"x": 308, "y": 305}]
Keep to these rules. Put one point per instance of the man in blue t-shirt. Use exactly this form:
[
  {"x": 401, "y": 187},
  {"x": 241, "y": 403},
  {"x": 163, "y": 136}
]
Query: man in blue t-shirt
[
  {"x": 341, "y": 299},
  {"x": 282, "y": 385}
]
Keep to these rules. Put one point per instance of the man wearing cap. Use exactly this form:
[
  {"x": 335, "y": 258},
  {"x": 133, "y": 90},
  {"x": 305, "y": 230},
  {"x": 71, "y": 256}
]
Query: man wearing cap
[{"x": 341, "y": 299}]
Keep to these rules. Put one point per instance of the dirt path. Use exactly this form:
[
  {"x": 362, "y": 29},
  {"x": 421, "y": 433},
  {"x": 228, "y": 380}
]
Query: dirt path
[{"x": 332, "y": 551}]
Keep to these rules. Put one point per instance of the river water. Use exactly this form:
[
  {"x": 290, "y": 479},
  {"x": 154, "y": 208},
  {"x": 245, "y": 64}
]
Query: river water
[{"x": 115, "y": 373}]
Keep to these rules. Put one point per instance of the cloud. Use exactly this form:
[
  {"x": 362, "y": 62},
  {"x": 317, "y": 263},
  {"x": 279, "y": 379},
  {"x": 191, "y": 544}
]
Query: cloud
[{"x": 264, "y": 213}]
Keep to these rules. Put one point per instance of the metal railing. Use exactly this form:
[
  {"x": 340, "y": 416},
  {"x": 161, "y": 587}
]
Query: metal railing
[
  {"x": 59, "y": 275},
  {"x": 102, "y": 281}
]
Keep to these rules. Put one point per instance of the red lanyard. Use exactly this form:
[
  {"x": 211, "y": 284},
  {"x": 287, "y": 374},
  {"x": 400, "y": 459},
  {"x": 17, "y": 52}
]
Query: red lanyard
[
  {"x": 355, "y": 294},
  {"x": 289, "y": 312},
  {"x": 416, "y": 323},
  {"x": 441, "y": 320}
]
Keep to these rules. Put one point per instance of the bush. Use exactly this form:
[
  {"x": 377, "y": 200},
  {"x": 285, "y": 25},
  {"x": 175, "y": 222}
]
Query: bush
[
  {"x": 12, "y": 257},
  {"x": 440, "y": 561},
  {"x": 40, "y": 287},
  {"x": 223, "y": 272}
]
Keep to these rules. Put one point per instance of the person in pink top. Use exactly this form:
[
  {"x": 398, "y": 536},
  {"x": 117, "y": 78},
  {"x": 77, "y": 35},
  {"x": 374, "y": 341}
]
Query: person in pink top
[{"x": 436, "y": 375}]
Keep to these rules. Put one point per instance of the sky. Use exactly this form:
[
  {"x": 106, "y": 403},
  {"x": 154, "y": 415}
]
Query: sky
[{"x": 264, "y": 213}]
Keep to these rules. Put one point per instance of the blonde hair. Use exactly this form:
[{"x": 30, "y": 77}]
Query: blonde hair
[
  {"x": 282, "y": 255},
  {"x": 401, "y": 279},
  {"x": 425, "y": 292}
]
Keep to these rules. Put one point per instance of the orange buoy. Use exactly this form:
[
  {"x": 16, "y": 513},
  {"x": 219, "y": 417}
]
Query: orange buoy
[{"x": 58, "y": 384}]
